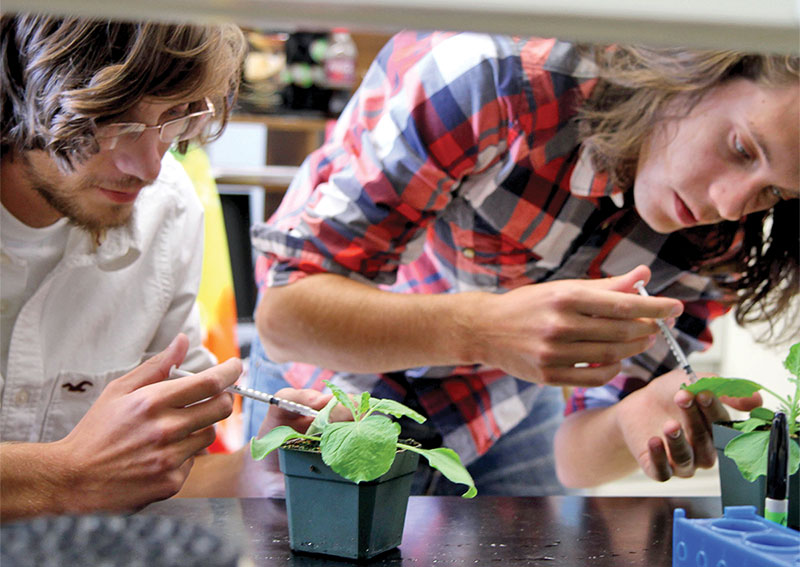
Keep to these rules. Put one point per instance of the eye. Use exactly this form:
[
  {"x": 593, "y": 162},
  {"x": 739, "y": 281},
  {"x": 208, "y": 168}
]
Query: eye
[
  {"x": 740, "y": 149},
  {"x": 176, "y": 112},
  {"x": 774, "y": 193}
]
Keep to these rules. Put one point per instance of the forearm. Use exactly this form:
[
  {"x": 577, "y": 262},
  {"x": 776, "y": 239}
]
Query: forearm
[
  {"x": 31, "y": 484},
  {"x": 232, "y": 475},
  {"x": 334, "y": 322},
  {"x": 590, "y": 449}
]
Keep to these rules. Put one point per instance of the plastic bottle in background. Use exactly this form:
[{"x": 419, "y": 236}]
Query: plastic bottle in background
[{"x": 340, "y": 68}]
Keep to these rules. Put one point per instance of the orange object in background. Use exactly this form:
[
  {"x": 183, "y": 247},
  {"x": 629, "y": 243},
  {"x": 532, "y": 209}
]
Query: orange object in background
[{"x": 215, "y": 296}]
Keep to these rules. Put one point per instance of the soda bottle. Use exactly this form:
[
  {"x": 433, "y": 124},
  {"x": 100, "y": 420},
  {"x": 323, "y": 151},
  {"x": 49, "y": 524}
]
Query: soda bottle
[{"x": 340, "y": 68}]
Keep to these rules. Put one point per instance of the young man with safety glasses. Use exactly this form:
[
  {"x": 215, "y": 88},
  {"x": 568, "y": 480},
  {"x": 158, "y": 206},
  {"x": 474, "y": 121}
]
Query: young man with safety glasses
[{"x": 101, "y": 260}]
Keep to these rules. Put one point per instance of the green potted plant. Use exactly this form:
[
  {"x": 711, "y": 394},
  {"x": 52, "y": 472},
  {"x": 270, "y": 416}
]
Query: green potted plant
[
  {"x": 742, "y": 445},
  {"x": 348, "y": 482}
]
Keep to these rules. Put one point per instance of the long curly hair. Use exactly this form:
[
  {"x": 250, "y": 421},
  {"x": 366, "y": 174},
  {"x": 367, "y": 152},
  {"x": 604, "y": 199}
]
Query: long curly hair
[
  {"x": 638, "y": 87},
  {"x": 61, "y": 76}
]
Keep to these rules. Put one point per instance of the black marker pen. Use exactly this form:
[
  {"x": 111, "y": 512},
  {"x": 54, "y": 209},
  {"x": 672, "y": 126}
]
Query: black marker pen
[{"x": 776, "y": 504}]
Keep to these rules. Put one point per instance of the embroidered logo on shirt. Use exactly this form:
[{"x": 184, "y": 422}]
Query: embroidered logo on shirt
[{"x": 81, "y": 387}]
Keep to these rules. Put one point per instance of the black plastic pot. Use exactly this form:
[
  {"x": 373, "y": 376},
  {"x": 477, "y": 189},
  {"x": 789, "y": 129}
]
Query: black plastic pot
[
  {"x": 331, "y": 515},
  {"x": 737, "y": 491}
]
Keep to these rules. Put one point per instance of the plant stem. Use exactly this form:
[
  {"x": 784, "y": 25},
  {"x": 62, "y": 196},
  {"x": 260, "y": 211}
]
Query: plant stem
[{"x": 785, "y": 401}]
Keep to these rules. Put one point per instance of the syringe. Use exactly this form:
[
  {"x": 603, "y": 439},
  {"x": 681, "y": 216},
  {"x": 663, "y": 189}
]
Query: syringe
[
  {"x": 673, "y": 344},
  {"x": 256, "y": 395}
]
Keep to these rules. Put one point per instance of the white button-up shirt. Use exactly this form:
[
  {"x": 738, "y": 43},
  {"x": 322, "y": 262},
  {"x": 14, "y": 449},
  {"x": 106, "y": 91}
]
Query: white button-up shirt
[{"x": 103, "y": 310}]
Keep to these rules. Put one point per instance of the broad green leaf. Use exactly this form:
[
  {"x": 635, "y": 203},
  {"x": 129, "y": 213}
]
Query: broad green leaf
[
  {"x": 360, "y": 450},
  {"x": 749, "y": 452},
  {"x": 260, "y": 448},
  {"x": 792, "y": 362},
  {"x": 321, "y": 420},
  {"x": 363, "y": 407},
  {"x": 751, "y": 424},
  {"x": 396, "y": 409},
  {"x": 763, "y": 414},
  {"x": 449, "y": 464},
  {"x": 794, "y": 457},
  {"x": 733, "y": 387},
  {"x": 342, "y": 396}
]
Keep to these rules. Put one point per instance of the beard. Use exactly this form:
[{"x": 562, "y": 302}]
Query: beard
[{"x": 80, "y": 212}]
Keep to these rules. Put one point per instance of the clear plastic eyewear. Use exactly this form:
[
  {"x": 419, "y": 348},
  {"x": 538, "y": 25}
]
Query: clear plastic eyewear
[{"x": 171, "y": 131}]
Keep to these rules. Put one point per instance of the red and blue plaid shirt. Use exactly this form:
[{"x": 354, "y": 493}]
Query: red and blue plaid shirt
[{"x": 456, "y": 167}]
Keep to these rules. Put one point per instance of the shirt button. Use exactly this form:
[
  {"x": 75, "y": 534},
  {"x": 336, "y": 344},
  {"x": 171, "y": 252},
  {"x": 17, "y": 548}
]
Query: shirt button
[
  {"x": 468, "y": 253},
  {"x": 22, "y": 397}
]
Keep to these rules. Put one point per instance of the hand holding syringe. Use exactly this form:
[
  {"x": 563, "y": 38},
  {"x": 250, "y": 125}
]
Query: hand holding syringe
[
  {"x": 256, "y": 395},
  {"x": 673, "y": 344}
]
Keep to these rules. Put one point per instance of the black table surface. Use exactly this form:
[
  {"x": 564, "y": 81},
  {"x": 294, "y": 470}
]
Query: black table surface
[{"x": 451, "y": 531}]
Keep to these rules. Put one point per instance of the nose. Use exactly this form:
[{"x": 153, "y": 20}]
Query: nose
[
  {"x": 736, "y": 196},
  {"x": 141, "y": 158}
]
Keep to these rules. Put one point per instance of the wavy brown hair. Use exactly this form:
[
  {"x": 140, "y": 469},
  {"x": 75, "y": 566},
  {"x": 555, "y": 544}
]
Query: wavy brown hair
[
  {"x": 63, "y": 76},
  {"x": 640, "y": 86}
]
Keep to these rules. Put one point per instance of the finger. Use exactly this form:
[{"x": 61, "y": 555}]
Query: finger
[
  {"x": 176, "y": 453},
  {"x": 156, "y": 368},
  {"x": 314, "y": 399},
  {"x": 680, "y": 451},
  {"x": 683, "y": 398},
  {"x": 597, "y": 353},
  {"x": 657, "y": 463},
  {"x": 311, "y": 398},
  {"x": 625, "y": 282},
  {"x": 621, "y": 306},
  {"x": 199, "y": 441},
  {"x": 743, "y": 404},
  {"x": 188, "y": 390},
  {"x": 278, "y": 416},
  {"x": 631, "y": 304},
  {"x": 187, "y": 465},
  {"x": 602, "y": 330},
  {"x": 709, "y": 410},
  {"x": 699, "y": 413},
  {"x": 204, "y": 414},
  {"x": 175, "y": 479},
  {"x": 588, "y": 376}
]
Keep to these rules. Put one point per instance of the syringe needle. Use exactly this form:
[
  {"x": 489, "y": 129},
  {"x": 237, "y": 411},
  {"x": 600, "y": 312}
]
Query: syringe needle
[
  {"x": 288, "y": 405},
  {"x": 673, "y": 344}
]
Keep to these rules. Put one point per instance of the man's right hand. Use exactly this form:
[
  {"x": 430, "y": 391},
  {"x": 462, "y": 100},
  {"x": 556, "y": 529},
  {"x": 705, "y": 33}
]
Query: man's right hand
[
  {"x": 135, "y": 445},
  {"x": 540, "y": 332}
]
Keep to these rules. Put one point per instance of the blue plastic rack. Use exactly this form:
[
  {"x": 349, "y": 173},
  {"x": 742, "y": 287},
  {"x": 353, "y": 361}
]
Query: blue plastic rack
[{"x": 741, "y": 538}]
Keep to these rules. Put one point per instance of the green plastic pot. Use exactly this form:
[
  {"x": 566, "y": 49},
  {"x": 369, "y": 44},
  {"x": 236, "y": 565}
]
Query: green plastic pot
[
  {"x": 737, "y": 491},
  {"x": 331, "y": 515}
]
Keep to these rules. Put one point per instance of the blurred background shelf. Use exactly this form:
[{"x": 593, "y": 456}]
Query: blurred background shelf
[{"x": 274, "y": 178}]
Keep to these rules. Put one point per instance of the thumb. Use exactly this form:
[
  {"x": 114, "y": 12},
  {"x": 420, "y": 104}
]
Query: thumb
[
  {"x": 743, "y": 404},
  {"x": 625, "y": 281},
  {"x": 157, "y": 368}
]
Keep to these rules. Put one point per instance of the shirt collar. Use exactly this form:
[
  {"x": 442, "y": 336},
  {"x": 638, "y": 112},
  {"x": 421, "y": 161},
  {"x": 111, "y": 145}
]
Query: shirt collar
[
  {"x": 121, "y": 246},
  {"x": 118, "y": 248},
  {"x": 586, "y": 182}
]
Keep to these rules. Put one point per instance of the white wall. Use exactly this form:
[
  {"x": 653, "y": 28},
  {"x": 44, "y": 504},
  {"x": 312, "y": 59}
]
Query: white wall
[{"x": 742, "y": 357}]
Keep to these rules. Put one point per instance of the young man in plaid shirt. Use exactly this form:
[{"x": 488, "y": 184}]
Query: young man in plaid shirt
[{"x": 471, "y": 233}]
